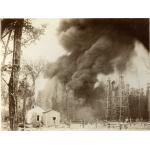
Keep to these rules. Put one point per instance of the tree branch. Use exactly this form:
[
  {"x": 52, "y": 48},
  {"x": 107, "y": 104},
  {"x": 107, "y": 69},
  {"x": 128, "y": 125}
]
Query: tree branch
[
  {"x": 5, "y": 35},
  {"x": 5, "y": 81},
  {"x": 6, "y": 47}
]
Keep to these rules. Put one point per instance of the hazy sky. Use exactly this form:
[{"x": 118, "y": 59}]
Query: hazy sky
[{"x": 48, "y": 47}]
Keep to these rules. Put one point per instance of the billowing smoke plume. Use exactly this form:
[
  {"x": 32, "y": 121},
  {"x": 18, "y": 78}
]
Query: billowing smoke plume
[{"x": 95, "y": 46}]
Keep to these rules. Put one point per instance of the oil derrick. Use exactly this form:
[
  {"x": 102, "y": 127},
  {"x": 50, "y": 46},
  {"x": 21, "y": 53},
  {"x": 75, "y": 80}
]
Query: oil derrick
[
  {"x": 139, "y": 104},
  {"x": 148, "y": 100},
  {"x": 70, "y": 105},
  {"x": 134, "y": 102},
  {"x": 55, "y": 98},
  {"x": 113, "y": 101},
  {"x": 108, "y": 100},
  {"x": 143, "y": 105},
  {"x": 117, "y": 102},
  {"x": 127, "y": 101},
  {"x": 123, "y": 99}
]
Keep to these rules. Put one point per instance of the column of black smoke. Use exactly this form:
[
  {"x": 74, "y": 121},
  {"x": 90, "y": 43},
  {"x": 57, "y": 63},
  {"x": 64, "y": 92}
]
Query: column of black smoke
[{"x": 95, "y": 46}]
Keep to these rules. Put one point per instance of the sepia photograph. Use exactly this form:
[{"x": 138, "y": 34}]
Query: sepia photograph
[{"x": 75, "y": 74}]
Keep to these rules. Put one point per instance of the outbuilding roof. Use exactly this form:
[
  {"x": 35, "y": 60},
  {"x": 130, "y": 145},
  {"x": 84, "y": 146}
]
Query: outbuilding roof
[{"x": 51, "y": 111}]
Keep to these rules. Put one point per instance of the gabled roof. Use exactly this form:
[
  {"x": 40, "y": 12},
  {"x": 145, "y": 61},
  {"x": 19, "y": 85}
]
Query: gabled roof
[
  {"x": 51, "y": 110},
  {"x": 37, "y": 109}
]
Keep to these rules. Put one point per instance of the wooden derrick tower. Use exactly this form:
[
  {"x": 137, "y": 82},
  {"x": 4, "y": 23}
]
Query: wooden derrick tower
[
  {"x": 123, "y": 99},
  {"x": 114, "y": 102},
  {"x": 148, "y": 98},
  {"x": 108, "y": 100},
  {"x": 117, "y": 103}
]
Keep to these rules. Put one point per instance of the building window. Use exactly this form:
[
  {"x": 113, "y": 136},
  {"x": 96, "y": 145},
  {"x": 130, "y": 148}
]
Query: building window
[
  {"x": 54, "y": 118},
  {"x": 38, "y": 117}
]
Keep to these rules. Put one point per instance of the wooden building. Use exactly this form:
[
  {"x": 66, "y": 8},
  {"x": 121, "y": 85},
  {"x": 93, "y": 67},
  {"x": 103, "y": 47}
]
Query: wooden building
[
  {"x": 35, "y": 116},
  {"x": 51, "y": 118}
]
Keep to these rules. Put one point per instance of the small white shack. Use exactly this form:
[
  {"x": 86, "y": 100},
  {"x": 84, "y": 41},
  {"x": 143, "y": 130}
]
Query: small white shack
[
  {"x": 51, "y": 118},
  {"x": 35, "y": 116}
]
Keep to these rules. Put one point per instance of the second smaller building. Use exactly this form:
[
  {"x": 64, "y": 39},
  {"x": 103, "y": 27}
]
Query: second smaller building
[{"x": 51, "y": 118}]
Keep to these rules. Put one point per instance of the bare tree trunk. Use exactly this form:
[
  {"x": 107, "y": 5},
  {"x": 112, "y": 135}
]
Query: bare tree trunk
[
  {"x": 11, "y": 102},
  {"x": 13, "y": 83},
  {"x": 24, "y": 103}
]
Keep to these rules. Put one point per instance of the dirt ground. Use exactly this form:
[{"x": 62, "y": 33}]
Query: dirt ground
[{"x": 111, "y": 126}]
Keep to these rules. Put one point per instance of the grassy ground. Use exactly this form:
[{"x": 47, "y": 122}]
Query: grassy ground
[{"x": 111, "y": 126}]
